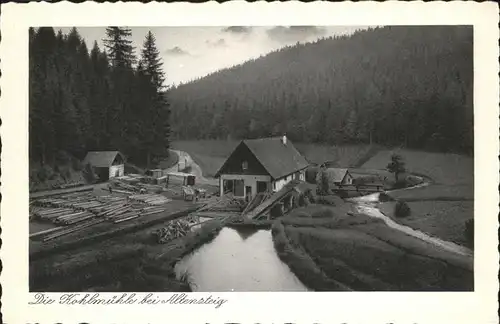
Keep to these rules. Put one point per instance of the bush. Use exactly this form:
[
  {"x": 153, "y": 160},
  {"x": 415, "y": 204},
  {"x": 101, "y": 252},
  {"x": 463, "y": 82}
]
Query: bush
[
  {"x": 301, "y": 201},
  {"x": 469, "y": 232},
  {"x": 77, "y": 165},
  {"x": 402, "y": 209},
  {"x": 45, "y": 173},
  {"x": 89, "y": 175},
  {"x": 276, "y": 211},
  {"x": 63, "y": 158},
  {"x": 384, "y": 197},
  {"x": 329, "y": 200},
  {"x": 311, "y": 175}
]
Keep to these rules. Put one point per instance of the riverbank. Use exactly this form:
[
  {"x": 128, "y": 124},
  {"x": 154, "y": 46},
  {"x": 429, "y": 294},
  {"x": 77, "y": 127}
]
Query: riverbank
[{"x": 361, "y": 253}]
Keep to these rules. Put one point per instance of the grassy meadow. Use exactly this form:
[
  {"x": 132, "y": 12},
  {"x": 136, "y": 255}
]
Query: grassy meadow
[
  {"x": 325, "y": 247},
  {"x": 443, "y": 219},
  {"x": 441, "y": 208}
]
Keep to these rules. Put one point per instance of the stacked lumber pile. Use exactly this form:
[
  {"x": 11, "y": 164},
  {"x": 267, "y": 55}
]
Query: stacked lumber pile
[
  {"x": 56, "y": 232},
  {"x": 76, "y": 211},
  {"x": 150, "y": 187},
  {"x": 119, "y": 209},
  {"x": 76, "y": 200},
  {"x": 172, "y": 230},
  {"x": 150, "y": 199},
  {"x": 121, "y": 185},
  {"x": 226, "y": 203},
  {"x": 65, "y": 209}
]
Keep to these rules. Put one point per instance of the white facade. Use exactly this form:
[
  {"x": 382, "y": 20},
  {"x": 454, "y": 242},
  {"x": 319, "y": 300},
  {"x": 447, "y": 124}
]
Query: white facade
[
  {"x": 249, "y": 181},
  {"x": 280, "y": 183},
  {"x": 116, "y": 171}
]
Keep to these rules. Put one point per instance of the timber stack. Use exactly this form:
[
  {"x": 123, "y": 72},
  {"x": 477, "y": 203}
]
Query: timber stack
[
  {"x": 172, "y": 230},
  {"x": 76, "y": 211},
  {"x": 150, "y": 199}
]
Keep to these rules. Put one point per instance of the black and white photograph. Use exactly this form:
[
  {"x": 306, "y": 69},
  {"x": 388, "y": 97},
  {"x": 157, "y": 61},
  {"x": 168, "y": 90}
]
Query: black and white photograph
[{"x": 251, "y": 158}]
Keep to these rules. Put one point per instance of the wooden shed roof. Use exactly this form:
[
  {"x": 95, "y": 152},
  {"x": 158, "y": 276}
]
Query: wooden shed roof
[{"x": 101, "y": 159}]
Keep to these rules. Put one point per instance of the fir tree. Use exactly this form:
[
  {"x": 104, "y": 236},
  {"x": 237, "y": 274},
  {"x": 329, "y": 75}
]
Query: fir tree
[{"x": 119, "y": 47}]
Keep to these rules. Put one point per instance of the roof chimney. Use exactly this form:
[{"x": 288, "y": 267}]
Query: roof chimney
[{"x": 283, "y": 139}]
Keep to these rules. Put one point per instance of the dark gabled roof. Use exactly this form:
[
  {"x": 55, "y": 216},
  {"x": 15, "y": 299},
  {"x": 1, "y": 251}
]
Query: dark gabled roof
[
  {"x": 277, "y": 158},
  {"x": 101, "y": 159},
  {"x": 336, "y": 174}
]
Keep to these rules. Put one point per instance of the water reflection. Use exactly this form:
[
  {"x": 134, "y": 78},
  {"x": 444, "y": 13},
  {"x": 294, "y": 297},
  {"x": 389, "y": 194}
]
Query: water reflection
[{"x": 238, "y": 260}]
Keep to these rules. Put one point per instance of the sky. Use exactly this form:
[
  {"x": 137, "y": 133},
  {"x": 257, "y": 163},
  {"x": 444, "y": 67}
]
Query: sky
[{"x": 192, "y": 52}]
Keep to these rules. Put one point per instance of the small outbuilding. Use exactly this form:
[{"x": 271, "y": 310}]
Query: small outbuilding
[
  {"x": 336, "y": 176},
  {"x": 106, "y": 164}
]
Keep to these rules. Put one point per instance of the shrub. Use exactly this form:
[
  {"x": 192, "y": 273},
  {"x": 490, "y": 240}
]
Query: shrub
[
  {"x": 67, "y": 174},
  {"x": 469, "y": 232},
  {"x": 301, "y": 201},
  {"x": 329, "y": 200},
  {"x": 402, "y": 209},
  {"x": 276, "y": 211},
  {"x": 88, "y": 174},
  {"x": 311, "y": 174},
  {"x": 77, "y": 165},
  {"x": 63, "y": 158},
  {"x": 384, "y": 197},
  {"x": 45, "y": 173}
]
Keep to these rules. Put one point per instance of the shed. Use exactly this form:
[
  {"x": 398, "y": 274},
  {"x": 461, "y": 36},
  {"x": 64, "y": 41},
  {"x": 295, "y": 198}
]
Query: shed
[
  {"x": 336, "y": 176},
  {"x": 107, "y": 164}
]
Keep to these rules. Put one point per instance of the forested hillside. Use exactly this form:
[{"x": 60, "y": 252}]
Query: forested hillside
[
  {"x": 105, "y": 99},
  {"x": 404, "y": 85}
]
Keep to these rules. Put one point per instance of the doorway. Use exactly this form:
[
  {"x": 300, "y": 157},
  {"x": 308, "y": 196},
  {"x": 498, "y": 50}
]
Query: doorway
[
  {"x": 261, "y": 186},
  {"x": 248, "y": 193}
]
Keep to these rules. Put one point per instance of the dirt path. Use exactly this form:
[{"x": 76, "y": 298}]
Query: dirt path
[
  {"x": 195, "y": 168},
  {"x": 373, "y": 211},
  {"x": 366, "y": 205}
]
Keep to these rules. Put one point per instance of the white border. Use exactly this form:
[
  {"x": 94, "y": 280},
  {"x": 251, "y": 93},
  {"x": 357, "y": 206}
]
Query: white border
[{"x": 477, "y": 307}]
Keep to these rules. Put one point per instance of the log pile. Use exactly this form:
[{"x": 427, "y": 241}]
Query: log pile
[
  {"x": 76, "y": 211},
  {"x": 226, "y": 203},
  {"x": 56, "y": 232},
  {"x": 150, "y": 199},
  {"x": 121, "y": 185},
  {"x": 173, "y": 229}
]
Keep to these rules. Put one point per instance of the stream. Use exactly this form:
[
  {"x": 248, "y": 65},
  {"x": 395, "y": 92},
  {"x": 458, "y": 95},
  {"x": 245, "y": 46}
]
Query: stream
[
  {"x": 238, "y": 260},
  {"x": 367, "y": 205}
]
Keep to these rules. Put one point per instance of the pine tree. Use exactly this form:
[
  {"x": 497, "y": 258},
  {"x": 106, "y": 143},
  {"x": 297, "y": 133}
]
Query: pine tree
[
  {"x": 119, "y": 47},
  {"x": 152, "y": 63},
  {"x": 120, "y": 111},
  {"x": 157, "y": 112}
]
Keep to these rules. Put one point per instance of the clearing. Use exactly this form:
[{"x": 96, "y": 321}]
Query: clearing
[{"x": 441, "y": 208}]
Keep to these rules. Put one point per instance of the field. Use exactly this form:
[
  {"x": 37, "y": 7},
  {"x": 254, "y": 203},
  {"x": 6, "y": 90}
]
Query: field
[
  {"x": 210, "y": 154},
  {"x": 329, "y": 250},
  {"x": 443, "y": 219},
  {"x": 441, "y": 208},
  {"x": 442, "y": 168}
]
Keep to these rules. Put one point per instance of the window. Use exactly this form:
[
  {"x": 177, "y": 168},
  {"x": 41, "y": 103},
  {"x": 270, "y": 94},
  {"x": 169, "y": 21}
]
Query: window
[{"x": 244, "y": 165}]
